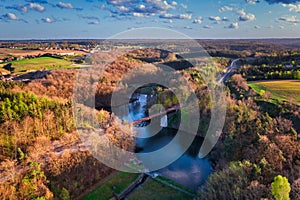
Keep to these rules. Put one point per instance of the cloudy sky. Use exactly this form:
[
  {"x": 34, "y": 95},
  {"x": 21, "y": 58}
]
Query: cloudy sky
[{"x": 43, "y": 19}]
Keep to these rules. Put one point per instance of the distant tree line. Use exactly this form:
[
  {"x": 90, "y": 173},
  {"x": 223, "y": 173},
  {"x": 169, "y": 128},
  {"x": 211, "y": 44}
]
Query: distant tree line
[{"x": 266, "y": 72}]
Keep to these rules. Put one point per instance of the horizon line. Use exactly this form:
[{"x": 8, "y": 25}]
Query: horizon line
[{"x": 55, "y": 39}]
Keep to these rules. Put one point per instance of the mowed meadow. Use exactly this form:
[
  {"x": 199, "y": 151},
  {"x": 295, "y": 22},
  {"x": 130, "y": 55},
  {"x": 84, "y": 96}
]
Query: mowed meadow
[
  {"x": 280, "y": 89},
  {"x": 39, "y": 63}
]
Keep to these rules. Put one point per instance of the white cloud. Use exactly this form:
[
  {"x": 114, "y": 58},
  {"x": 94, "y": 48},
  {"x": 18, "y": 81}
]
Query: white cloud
[
  {"x": 290, "y": 19},
  {"x": 257, "y": 27},
  {"x": 65, "y": 5},
  {"x": 215, "y": 18},
  {"x": 161, "y": 4},
  {"x": 47, "y": 20},
  {"x": 135, "y": 14},
  {"x": 142, "y": 6},
  {"x": 167, "y": 16},
  {"x": 171, "y": 16},
  {"x": 102, "y": 7},
  {"x": 23, "y": 9},
  {"x": 146, "y": 8},
  {"x": 198, "y": 20},
  {"x": 208, "y": 27},
  {"x": 116, "y": 2},
  {"x": 247, "y": 17},
  {"x": 11, "y": 16},
  {"x": 123, "y": 8},
  {"x": 20, "y": 8},
  {"x": 184, "y": 6},
  {"x": 37, "y": 7},
  {"x": 241, "y": 12},
  {"x": 225, "y": 19},
  {"x": 225, "y": 8},
  {"x": 188, "y": 27},
  {"x": 252, "y": 2},
  {"x": 174, "y": 3},
  {"x": 170, "y": 21},
  {"x": 94, "y": 22},
  {"x": 185, "y": 16},
  {"x": 131, "y": 28},
  {"x": 234, "y": 25},
  {"x": 292, "y": 7}
]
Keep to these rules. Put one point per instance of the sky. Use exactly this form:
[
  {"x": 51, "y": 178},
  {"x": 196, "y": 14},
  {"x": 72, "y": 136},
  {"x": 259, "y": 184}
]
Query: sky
[{"x": 100, "y": 19}]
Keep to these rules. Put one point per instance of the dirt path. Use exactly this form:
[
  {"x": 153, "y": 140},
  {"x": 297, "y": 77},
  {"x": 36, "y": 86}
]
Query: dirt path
[
  {"x": 59, "y": 150},
  {"x": 139, "y": 181}
]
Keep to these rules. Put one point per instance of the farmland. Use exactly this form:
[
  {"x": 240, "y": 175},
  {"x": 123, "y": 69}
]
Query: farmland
[{"x": 280, "y": 90}]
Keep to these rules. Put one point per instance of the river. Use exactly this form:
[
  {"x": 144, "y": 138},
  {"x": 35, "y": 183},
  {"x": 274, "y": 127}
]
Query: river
[{"x": 189, "y": 169}]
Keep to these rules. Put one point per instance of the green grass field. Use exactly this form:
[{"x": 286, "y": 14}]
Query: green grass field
[
  {"x": 154, "y": 190},
  {"x": 116, "y": 185},
  {"x": 40, "y": 63},
  {"x": 280, "y": 90}
]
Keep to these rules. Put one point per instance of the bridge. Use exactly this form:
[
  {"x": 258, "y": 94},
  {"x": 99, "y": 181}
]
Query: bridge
[{"x": 169, "y": 110}]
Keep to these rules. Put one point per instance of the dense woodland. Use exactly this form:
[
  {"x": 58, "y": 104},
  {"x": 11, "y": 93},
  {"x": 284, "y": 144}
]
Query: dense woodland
[
  {"x": 255, "y": 146},
  {"x": 37, "y": 136}
]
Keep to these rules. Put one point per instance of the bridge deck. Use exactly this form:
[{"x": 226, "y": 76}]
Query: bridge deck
[{"x": 172, "y": 109}]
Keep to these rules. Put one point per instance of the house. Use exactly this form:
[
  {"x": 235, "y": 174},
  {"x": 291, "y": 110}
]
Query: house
[{"x": 66, "y": 54}]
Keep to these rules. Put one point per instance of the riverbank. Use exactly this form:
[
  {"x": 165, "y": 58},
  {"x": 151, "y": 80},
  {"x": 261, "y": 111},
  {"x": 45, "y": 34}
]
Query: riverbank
[{"x": 121, "y": 185}]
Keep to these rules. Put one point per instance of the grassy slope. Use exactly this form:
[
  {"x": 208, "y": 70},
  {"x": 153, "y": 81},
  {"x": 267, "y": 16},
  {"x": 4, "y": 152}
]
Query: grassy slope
[
  {"x": 105, "y": 191},
  {"x": 182, "y": 187},
  {"x": 152, "y": 190},
  {"x": 39, "y": 64},
  {"x": 280, "y": 90}
]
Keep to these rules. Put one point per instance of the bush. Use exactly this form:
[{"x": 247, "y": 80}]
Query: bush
[
  {"x": 64, "y": 195},
  {"x": 281, "y": 188}
]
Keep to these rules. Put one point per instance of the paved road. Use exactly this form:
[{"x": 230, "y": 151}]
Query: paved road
[{"x": 233, "y": 66}]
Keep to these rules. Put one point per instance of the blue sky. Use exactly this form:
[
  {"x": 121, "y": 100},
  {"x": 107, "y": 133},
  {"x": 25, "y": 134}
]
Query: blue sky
[{"x": 43, "y": 19}]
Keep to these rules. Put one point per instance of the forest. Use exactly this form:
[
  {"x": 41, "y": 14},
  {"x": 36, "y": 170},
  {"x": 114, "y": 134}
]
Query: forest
[{"x": 256, "y": 157}]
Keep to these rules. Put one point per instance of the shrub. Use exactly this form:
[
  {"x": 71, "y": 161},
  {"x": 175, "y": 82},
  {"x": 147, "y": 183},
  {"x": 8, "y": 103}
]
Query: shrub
[{"x": 281, "y": 188}]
